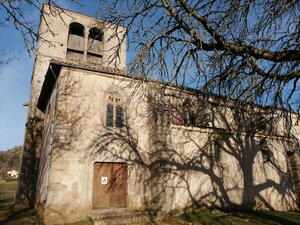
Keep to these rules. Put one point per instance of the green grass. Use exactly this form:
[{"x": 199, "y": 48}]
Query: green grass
[
  {"x": 9, "y": 186},
  {"x": 214, "y": 217},
  {"x": 9, "y": 214},
  {"x": 7, "y": 191},
  {"x": 204, "y": 217},
  {"x": 15, "y": 216}
]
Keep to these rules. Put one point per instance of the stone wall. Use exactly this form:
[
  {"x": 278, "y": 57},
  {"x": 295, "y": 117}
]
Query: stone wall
[{"x": 52, "y": 44}]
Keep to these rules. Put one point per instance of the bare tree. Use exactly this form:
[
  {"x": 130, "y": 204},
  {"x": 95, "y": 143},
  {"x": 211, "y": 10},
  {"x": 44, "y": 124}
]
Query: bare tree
[
  {"x": 246, "y": 50},
  {"x": 15, "y": 12},
  {"x": 4, "y": 58}
]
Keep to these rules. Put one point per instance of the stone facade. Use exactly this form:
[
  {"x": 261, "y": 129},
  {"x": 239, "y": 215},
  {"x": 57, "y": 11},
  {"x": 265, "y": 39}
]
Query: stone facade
[{"x": 182, "y": 148}]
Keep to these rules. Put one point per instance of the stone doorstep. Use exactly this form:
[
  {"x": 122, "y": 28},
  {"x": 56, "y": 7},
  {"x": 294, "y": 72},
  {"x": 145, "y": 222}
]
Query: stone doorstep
[
  {"x": 119, "y": 216},
  {"x": 121, "y": 222},
  {"x": 147, "y": 223}
]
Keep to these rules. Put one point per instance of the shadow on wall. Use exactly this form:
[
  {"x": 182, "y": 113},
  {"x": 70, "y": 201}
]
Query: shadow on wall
[
  {"x": 64, "y": 118},
  {"x": 205, "y": 154},
  {"x": 72, "y": 114}
]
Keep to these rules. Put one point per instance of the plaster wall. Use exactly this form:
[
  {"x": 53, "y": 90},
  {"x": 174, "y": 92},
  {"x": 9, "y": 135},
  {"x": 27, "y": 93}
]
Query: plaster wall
[
  {"x": 46, "y": 150},
  {"x": 191, "y": 175},
  {"x": 240, "y": 178},
  {"x": 80, "y": 123}
]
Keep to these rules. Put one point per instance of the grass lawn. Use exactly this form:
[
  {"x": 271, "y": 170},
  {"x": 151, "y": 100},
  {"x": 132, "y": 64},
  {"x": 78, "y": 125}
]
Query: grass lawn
[
  {"x": 214, "y": 217},
  {"x": 7, "y": 191},
  {"x": 9, "y": 185},
  {"x": 10, "y": 215},
  {"x": 16, "y": 216}
]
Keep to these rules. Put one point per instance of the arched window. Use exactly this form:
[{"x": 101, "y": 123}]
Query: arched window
[
  {"x": 188, "y": 117},
  {"x": 94, "y": 51},
  {"x": 75, "y": 48},
  {"x": 114, "y": 111}
]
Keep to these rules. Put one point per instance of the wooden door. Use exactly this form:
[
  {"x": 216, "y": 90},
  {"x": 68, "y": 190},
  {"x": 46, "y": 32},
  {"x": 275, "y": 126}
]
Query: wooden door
[{"x": 110, "y": 185}]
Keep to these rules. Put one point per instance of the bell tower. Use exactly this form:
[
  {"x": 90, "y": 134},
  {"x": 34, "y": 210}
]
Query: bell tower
[{"x": 72, "y": 38}]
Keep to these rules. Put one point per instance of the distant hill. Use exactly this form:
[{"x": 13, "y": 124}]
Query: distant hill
[{"x": 10, "y": 159}]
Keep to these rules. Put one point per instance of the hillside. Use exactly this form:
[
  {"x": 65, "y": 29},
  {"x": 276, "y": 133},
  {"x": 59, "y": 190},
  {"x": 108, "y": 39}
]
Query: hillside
[{"x": 10, "y": 159}]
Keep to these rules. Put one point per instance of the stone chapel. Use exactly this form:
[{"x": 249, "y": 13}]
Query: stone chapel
[{"x": 97, "y": 137}]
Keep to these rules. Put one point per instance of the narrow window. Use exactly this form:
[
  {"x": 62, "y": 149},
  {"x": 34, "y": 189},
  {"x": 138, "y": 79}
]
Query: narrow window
[
  {"x": 109, "y": 116},
  {"x": 114, "y": 111},
  {"x": 266, "y": 153},
  {"x": 217, "y": 151},
  {"x": 119, "y": 116},
  {"x": 75, "y": 48},
  {"x": 94, "y": 52},
  {"x": 186, "y": 116}
]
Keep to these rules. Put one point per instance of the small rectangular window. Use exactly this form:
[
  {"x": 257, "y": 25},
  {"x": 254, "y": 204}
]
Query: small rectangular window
[
  {"x": 109, "y": 116},
  {"x": 119, "y": 116}
]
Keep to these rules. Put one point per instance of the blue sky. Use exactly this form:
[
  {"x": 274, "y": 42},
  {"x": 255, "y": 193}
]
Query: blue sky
[
  {"x": 15, "y": 80},
  {"x": 14, "y": 88}
]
